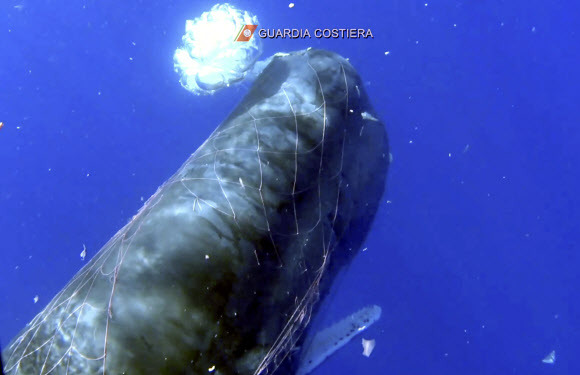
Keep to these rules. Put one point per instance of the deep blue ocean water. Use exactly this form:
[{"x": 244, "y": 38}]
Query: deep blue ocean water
[{"x": 473, "y": 256}]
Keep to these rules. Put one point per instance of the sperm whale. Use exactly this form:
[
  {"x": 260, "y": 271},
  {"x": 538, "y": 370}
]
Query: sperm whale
[{"x": 221, "y": 270}]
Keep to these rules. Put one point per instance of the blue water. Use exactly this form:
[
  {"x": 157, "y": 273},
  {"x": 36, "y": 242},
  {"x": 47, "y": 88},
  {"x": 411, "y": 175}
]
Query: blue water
[{"x": 474, "y": 253}]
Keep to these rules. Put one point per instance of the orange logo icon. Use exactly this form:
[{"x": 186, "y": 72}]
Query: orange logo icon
[{"x": 246, "y": 33}]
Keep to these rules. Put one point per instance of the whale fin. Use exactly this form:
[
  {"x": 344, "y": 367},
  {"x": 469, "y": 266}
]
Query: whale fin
[{"x": 330, "y": 339}]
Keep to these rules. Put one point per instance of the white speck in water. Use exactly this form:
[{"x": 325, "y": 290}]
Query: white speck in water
[
  {"x": 368, "y": 346},
  {"x": 550, "y": 358},
  {"x": 84, "y": 252}
]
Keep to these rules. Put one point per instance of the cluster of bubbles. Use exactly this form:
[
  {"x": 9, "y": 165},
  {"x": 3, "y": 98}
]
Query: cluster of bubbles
[{"x": 211, "y": 58}]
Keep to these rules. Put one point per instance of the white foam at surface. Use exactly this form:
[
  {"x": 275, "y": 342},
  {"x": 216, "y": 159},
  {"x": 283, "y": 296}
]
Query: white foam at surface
[{"x": 210, "y": 58}]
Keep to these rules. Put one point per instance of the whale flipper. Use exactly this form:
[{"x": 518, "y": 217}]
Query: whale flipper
[{"x": 329, "y": 340}]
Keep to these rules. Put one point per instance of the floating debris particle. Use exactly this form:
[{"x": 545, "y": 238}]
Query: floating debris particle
[
  {"x": 550, "y": 358},
  {"x": 368, "y": 116},
  {"x": 368, "y": 346}
]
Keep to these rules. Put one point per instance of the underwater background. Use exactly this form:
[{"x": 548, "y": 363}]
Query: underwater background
[{"x": 473, "y": 256}]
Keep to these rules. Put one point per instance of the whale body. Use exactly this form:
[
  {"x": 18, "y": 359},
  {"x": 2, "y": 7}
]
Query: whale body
[{"x": 222, "y": 268}]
